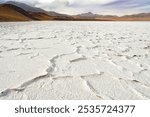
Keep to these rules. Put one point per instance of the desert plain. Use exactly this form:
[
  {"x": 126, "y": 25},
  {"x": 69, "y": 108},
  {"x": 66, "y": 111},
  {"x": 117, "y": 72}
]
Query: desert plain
[{"x": 66, "y": 60}]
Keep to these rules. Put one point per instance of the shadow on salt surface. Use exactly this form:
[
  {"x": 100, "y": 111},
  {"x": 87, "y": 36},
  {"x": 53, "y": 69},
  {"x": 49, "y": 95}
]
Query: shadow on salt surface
[
  {"x": 84, "y": 87},
  {"x": 117, "y": 88},
  {"x": 55, "y": 89}
]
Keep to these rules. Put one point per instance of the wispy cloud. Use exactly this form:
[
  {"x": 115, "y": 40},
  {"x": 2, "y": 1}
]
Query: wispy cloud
[{"x": 120, "y": 7}]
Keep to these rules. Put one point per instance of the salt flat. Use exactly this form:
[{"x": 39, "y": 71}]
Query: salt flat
[{"x": 75, "y": 60}]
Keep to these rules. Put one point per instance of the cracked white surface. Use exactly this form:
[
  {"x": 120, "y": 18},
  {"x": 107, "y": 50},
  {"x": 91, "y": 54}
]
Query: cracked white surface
[{"x": 75, "y": 60}]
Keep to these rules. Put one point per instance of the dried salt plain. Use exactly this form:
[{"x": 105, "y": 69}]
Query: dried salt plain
[{"x": 75, "y": 60}]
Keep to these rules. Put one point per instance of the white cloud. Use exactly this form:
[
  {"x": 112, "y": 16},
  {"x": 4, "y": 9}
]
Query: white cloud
[
  {"x": 71, "y": 2},
  {"x": 71, "y": 6},
  {"x": 96, "y": 6},
  {"x": 90, "y": 2}
]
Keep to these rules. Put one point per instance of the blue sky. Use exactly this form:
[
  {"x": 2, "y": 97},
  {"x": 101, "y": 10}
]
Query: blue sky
[{"x": 115, "y": 7}]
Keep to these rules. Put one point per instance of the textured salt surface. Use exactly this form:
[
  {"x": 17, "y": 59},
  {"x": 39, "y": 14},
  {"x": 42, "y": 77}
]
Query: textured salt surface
[{"x": 75, "y": 60}]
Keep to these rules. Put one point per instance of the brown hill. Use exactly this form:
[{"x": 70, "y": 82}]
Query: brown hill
[
  {"x": 41, "y": 16},
  {"x": 9, "y": 12},
  {"x": 26, "y": 7},
  {"x": 96, "y": 17},
  {"x": 132, "y": 19},
  {"x": 136, "y": 17}
]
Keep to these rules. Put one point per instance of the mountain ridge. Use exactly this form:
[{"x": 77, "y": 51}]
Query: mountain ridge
[
  {"x": 25, "y": 6},
  {"x": 9, "y": 12},
  {"x": 91, "y": 15},
  {"x": 16, "y": 11}
]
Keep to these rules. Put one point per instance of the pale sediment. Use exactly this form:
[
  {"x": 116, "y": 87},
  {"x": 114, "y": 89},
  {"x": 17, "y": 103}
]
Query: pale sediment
[{"x": 75, "y": 60}]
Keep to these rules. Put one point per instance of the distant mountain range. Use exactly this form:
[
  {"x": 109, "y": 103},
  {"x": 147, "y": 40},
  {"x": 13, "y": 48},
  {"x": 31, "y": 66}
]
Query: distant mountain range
[
  {"x": 91, "y": 15},
  {"x": 16, "y": 11}
]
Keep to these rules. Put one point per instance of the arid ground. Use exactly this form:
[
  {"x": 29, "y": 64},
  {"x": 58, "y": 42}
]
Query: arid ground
[{"x": 75, "y": 60}]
